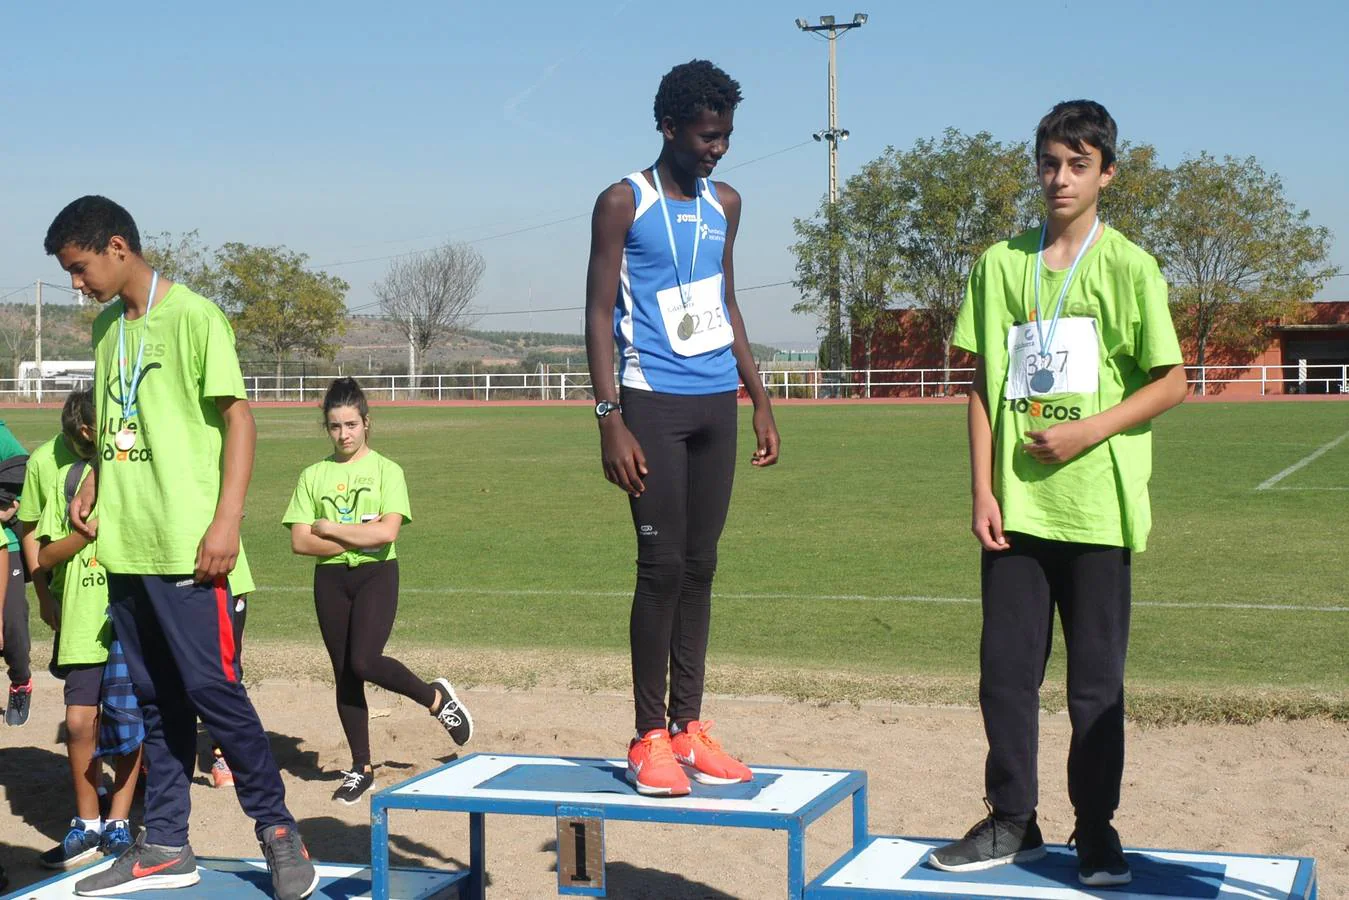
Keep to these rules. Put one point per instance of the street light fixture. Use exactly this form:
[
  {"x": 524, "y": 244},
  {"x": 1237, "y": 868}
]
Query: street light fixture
[{"x": 833, "y": 30}]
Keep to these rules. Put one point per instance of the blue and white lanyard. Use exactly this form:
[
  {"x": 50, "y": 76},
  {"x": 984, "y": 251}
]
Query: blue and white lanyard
[
  {"x": 1058, "y": 311},
  {"x": 684, "y": 288},
  {"x": 129, "y": 391}
]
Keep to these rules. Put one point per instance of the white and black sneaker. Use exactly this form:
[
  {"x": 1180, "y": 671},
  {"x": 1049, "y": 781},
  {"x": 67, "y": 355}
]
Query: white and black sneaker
[
  {"x": 354, "y": 785},
  {"x": 452, "y": 714},
  {"x": 992, "y": 842},
  {"x": 1100, "y": 857}
]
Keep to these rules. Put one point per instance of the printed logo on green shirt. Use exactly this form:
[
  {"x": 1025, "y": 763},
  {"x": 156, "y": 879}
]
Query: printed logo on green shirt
[
  {"x": 1037, "y": 409},
  {"x": 138, "y": 452},
  {"x": 93, "y": 575},
  {"x": 345, "y": 503}
]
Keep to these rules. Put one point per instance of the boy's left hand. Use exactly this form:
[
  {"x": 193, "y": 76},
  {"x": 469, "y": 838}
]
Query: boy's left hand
[
  {"x": 218, "y": 551},
  {"x": 1059, "y": 443}
]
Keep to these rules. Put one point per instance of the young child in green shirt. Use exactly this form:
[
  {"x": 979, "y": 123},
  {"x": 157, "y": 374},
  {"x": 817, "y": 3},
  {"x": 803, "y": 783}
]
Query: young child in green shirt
[{"x": 81, "y": 585}]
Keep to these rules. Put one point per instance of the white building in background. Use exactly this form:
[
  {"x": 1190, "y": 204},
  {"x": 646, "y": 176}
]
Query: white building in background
[{"x": 57, "y": 376}]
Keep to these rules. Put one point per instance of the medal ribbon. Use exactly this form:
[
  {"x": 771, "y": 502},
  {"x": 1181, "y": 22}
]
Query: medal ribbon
[
  {"x": 129, "y": 391},
  {"x": 1058, "y": 311},
  {"x": 669, "y": 232}
]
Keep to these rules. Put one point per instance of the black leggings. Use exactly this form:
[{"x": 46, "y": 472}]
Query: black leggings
[
  {"x": 356, "y": 609},
  {"x": 17, "y": 643},
  {"x": 689, "y": 444}
]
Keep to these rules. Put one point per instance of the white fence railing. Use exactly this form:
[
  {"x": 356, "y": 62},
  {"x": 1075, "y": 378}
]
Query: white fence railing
[{"x": 781, "y": 383}]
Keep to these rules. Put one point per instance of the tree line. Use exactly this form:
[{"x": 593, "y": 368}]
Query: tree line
[
  {"x": 282, "y": 307},
  {"x": 909, "y": 225}
]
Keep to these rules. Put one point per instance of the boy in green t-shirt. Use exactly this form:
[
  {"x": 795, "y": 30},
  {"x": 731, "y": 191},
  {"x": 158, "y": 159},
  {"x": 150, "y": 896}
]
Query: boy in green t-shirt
[
  {"x": 175, "y": 443},
  {"x": 82, "y": 588},
  {"x": 1076, "y": 355}
]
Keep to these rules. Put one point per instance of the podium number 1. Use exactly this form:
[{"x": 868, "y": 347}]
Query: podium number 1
[{"x": 580, "y": 852}]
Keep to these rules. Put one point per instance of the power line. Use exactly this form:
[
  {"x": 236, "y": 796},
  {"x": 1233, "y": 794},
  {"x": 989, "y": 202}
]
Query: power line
[
  {"x": 521, "y": 312},
  {"x": 529, "y": 228}
]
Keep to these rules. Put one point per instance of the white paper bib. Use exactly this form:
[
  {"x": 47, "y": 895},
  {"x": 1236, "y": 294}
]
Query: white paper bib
[
  {"x": 695, "y": 323},
  {"x": 1071, "y": 367}
]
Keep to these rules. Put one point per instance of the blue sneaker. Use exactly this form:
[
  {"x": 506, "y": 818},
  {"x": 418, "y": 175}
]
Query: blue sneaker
[
  {"x": 116, "y": 837},
  {"x": 78, "y": 846}
]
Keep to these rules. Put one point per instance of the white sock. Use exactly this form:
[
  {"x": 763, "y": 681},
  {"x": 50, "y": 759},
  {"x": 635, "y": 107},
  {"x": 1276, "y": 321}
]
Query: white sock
[{"x": 94, "y": 825}]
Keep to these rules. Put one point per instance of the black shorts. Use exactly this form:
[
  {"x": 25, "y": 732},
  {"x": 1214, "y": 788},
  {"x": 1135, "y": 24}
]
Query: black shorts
[{"x": 84, "y": 684}]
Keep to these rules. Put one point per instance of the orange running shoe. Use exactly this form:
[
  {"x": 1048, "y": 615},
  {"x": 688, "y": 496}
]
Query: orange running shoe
[
  {"x": 699, "y": 751},
  {"x": 221, "y": 774},
  {"x": 652, "y": 768}
]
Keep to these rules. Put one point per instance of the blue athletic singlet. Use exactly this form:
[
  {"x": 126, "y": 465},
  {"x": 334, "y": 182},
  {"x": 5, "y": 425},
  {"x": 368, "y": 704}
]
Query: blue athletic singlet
[{"x": 672, "y": 329}]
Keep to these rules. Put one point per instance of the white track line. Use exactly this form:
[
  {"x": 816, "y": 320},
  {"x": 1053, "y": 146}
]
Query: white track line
[
  {"x": 888, "y": 598},
  {"x": 1305, "y": 461},
  {"x": 1309, "y": 489}
]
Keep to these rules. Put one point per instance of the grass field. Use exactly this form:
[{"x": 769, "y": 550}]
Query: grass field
[{"x": 852, "y": 556}]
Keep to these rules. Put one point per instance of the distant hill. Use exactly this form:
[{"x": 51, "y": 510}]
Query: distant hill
[{"x": 371, "y": 345}]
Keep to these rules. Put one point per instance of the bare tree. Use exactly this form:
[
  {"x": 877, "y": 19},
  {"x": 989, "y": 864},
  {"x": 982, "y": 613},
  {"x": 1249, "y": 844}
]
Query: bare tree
[
  {"x": 17, "y": 329},
  {"x": 428, "y": 295}
]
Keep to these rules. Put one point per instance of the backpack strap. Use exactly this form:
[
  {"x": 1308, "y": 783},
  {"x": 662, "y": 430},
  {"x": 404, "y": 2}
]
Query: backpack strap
[{"x": 73, "y": 478}]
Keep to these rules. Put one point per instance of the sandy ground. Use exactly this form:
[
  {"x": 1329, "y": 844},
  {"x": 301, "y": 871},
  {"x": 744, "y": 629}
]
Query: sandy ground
[{"x": 1279, "y": 788}]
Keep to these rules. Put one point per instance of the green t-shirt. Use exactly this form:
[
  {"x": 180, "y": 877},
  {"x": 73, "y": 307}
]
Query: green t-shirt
[
  {"x": 86, "y": 631},
  {"x": 241, "y": 579},
  {"x": 156, "y": 500},
  {"x": 44, "y": 485},
  {"x": 10, "y": 446},
  {"x": 350, "y": 493},
  {"x": 49, "y": 461},
  {"x": 1101, "y": 496}
]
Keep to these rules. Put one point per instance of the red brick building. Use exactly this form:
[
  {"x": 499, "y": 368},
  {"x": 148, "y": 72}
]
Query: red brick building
[{"x": 1309, "y": 356}]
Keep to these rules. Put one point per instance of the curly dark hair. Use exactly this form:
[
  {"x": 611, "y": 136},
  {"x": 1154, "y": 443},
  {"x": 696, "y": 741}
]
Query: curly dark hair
[
  {"x": 89, "y": 223},
  {"x": 689, "y": 89}
]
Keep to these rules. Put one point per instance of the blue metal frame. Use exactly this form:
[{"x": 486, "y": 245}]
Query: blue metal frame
[
  {"x": 853, "y": 783},
  {"x": 1304, "y": 880},
  {"x": 453, "y": 878}
]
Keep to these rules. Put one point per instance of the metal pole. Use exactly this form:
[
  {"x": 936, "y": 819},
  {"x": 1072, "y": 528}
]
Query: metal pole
[
  {"x": 833, "y": 30},
  {"x": 833, "y": 115},
  {"x": 37, "y": 340}
]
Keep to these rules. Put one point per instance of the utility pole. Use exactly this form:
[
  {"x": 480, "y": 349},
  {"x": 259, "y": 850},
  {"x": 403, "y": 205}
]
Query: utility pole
[
  {"x": 37, "y": 340},
  {"x": 833, "y": 30}
]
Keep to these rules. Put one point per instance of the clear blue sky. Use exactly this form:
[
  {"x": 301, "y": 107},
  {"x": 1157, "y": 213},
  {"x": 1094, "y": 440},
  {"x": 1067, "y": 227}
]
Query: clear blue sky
[{"x": 357, "y": 130}]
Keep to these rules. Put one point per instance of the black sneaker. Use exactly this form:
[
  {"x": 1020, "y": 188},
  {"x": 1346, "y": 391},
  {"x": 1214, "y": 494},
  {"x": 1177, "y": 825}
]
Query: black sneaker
[
  {"x": 143, "y": 867},
  {"x": 293, "y": 875},
  {"x": 452, "y": 714},
  {"x": 993, "y": 842},
  {"x": 354, "y": 786},
  {"x": 20, "y": 699},
  {"x": 1100, "y": 858}
]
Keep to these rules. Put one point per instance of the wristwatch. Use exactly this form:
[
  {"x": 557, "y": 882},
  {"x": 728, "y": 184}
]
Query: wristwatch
[{"x": 604, "y": 407}]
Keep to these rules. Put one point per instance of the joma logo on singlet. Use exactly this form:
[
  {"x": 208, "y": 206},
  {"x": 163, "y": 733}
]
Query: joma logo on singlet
[{"x": 683, "y": 218}]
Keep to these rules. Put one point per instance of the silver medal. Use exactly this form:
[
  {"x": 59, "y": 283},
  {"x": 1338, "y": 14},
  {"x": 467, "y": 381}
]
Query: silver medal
[
  {"x": 125, "y": 439},
  {"x": 686, "y": 327},
  {"x": 1042, "y": 382}
]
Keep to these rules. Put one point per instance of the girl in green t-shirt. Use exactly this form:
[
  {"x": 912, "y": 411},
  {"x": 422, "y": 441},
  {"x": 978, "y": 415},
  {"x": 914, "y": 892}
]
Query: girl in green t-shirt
[{"x": 347, "y": 511}]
